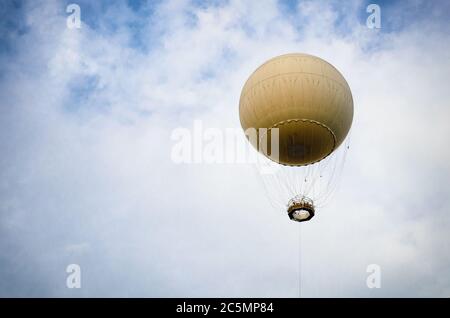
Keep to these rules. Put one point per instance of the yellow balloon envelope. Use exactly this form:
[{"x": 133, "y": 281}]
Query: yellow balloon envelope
[{"x": 306, "y": 98}]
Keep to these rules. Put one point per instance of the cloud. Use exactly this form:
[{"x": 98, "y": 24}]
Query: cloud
[{"x": 86, "y": 175}]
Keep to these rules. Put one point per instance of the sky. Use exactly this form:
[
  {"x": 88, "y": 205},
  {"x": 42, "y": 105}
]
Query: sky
[{"x": 87, "y": 176}]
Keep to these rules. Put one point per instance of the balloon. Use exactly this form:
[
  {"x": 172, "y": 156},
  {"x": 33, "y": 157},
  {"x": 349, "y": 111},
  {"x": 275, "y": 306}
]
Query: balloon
[{"x": 302, "y": 109}]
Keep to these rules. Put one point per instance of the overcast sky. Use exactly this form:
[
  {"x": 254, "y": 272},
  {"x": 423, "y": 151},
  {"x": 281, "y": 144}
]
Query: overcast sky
[{"x": 86, "y": 176}]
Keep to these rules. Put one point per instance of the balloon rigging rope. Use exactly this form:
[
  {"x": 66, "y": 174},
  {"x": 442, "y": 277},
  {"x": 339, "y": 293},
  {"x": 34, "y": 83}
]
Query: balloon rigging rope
[{"x": 300, "y": 261}]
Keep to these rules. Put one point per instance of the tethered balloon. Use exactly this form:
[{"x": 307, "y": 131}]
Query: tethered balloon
[{"x": 309, "y": 105}]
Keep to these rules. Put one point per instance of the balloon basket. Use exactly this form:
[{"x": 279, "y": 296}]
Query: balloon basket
[{"x": 300, "y": 209}]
